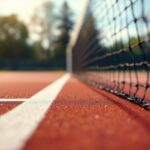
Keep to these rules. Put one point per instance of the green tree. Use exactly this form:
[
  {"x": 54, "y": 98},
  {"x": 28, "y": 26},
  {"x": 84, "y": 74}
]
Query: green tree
[
  {"x": 65, "y": 26},
  {"x": 42, "y": 23},
  {"x": 13, "y": 39},
  {"x": 39, "y": 52}
]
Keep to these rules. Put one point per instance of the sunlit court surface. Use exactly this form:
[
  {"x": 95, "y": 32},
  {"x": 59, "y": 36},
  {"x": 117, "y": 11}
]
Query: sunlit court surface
[{"x": 75, "y": 75}]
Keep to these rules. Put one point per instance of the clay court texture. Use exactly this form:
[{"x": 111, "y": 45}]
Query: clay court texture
[{"x": 56, "y": 111}]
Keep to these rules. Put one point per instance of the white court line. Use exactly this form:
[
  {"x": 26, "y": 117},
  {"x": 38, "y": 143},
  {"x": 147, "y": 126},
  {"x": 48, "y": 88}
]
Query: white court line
[
  {"x": 17, "y": 126},
  {"x": 14, "y": 100}
]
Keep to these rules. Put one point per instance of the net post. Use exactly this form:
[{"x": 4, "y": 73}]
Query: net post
[{"x": 74, "y": 36}]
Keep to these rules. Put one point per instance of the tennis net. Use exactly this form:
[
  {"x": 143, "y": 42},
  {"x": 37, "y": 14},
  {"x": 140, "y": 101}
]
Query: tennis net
[{"x": 112, "y": 48}]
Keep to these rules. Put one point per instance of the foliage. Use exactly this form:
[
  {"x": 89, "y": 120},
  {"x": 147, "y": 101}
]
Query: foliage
[
  {"x": 39, "y": 54},
  {"x": 65, "y": 26},
  {"x": 13, "y": 38},
  {"x": 42, "y": 23},
  {"x": 16, "y": 46}
]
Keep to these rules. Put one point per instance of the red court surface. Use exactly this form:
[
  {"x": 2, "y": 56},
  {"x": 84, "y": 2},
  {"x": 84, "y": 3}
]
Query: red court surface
[
  {"x": 7, "y": 106},
  {"x": 83, "y": 118},
  {"x": 25, "y": 84}
]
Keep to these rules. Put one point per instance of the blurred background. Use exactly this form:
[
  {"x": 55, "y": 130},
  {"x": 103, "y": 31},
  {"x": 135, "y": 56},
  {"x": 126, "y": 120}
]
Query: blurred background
[{"x": 34, "y": 34}]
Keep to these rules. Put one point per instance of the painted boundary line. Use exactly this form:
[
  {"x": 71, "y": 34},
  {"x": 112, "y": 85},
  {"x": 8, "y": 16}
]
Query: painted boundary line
[
  {"x": 17, "y": 126},
  {"x": 14, "y": 100}
]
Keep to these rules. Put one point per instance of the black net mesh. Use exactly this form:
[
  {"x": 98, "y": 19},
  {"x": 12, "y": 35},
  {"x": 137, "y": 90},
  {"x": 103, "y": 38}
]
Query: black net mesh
[{"x": 112, "y": 51}]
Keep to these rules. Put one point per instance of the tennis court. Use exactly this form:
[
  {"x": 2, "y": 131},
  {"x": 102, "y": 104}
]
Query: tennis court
[{"x": 102, "y": 101}]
